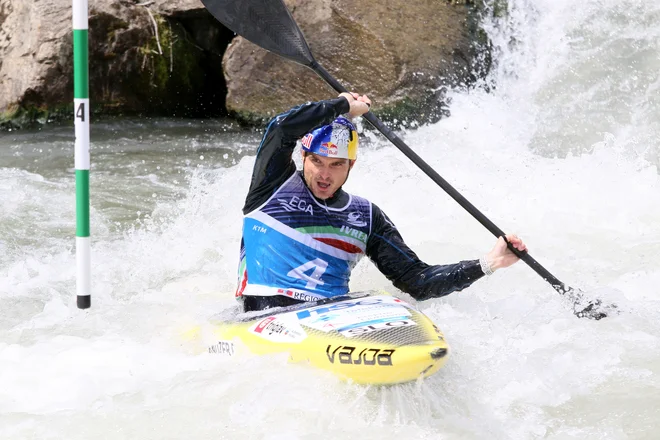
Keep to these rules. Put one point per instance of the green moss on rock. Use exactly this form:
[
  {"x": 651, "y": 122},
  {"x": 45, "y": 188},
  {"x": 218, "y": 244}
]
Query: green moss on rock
[
  {"x": 171, "y": 75},
  {"x": 25, "y": 116}
]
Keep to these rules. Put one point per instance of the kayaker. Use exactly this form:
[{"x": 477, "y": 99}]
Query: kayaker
[{"x": 303, "y": 234}]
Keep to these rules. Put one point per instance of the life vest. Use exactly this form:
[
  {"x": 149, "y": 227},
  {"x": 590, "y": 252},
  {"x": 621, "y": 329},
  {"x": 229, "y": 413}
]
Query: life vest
[{"x": 296, "y": 246}]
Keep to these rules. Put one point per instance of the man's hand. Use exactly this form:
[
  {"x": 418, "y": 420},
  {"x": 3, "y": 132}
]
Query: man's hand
[
  {"x": 359, "y": 104},
  {"x": 500, "y": 256}
]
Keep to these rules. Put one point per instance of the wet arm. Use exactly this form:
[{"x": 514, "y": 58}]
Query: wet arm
[{"x": 407, "y": 272}]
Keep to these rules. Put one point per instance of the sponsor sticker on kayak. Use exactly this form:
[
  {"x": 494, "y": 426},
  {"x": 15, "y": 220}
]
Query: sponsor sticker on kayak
[
  {"x": 275, "y": 329},
  {"x": 358, "y": 312},
  {"x": 225, "y": 348},
  {"x": 361, "y": 329},
  {"x": 345, "y": 354}
]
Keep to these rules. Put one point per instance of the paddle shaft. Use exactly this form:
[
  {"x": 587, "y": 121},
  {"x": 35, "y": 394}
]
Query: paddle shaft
[
  {"x": 270, "y": 25},
  {"x": 453, "y": 193}
]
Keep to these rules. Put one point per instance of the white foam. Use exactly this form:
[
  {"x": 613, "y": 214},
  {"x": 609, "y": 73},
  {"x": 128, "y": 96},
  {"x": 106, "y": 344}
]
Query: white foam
[{"x": 548, "y": 155}]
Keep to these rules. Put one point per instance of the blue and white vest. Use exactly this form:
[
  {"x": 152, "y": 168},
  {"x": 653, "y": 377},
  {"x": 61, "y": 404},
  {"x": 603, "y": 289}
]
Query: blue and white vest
[{"x": 295, "y": 246}]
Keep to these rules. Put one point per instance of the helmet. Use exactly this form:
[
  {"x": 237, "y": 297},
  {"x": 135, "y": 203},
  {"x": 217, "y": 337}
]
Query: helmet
[{"x": 338, "y": 140}]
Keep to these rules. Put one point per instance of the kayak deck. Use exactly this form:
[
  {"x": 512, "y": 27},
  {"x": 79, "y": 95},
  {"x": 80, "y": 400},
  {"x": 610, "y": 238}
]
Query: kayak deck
[{"x": 365, "y": 337}]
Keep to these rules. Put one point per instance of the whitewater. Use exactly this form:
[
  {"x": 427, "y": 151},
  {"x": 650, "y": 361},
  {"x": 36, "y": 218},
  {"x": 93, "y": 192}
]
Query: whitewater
[{"x": 560, "y": 145}]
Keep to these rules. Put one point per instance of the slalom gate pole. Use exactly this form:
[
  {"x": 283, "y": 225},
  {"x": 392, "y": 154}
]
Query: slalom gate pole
[{"x": 81, "y": 121}]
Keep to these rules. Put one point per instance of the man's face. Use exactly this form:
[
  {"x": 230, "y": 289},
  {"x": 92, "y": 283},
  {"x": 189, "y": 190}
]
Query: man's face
[{"x": 324, "y": 175}]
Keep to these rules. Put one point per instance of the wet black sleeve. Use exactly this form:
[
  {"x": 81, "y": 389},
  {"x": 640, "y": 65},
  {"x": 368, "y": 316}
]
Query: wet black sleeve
[
  {"x": 407, "y": 272},
  {"x": 274, "y": 163}
]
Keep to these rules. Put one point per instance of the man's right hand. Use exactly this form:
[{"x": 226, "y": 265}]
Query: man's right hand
[{"x": 359, "y": 105}]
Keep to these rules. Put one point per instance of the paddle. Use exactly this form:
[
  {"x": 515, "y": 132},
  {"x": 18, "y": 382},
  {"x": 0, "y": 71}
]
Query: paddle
[{"x": 269, "y": 24}]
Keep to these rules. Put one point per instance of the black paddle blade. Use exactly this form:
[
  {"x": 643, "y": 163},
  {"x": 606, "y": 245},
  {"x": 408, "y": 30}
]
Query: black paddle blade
[
  {"x": 592, "y": 311},
  {"x": 584, "y": 307},
  {"x": 266, "y": 23}
]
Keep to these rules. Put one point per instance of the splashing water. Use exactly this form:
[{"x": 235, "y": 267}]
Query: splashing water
[{"x": 563, "y": 151}]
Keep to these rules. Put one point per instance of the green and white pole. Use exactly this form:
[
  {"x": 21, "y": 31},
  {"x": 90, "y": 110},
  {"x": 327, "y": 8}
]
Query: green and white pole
[{"x": 81, "y": 118}]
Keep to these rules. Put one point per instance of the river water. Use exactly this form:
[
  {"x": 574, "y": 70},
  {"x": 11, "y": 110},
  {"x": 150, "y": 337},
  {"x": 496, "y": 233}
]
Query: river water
[{"x": 564, "y": 150}]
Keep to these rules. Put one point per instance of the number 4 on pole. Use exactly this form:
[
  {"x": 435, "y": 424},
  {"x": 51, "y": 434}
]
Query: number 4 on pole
[{"x": 80, "y": 113}]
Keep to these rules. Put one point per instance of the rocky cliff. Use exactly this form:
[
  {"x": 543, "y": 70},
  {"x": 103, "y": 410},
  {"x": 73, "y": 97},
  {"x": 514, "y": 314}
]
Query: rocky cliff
[
  {"x": 171, "y": 57},
  {"x": 401, "y": 55}
]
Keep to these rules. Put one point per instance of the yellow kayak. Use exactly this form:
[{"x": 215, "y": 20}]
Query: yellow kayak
[{"x": 365, "y": 337}]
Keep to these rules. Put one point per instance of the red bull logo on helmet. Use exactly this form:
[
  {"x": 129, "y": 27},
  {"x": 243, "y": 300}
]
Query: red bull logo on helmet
[{"x": 330, "y": 148}]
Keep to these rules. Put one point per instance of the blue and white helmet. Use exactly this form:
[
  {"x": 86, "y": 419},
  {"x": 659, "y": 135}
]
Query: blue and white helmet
[{"x": 338, "y": 140}]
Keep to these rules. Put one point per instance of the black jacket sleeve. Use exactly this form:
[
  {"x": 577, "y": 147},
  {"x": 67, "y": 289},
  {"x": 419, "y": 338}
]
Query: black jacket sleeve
[
  {"x": 274, "y": 163},
  {"x": 406, "y": 271}
]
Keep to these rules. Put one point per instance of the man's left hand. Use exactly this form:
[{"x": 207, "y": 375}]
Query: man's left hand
[{"x": 500, "y": 256}]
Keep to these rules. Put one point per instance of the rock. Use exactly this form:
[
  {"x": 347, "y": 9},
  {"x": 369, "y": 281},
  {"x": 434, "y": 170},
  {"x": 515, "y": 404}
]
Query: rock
[
  {"x": 401, "y": 56},
  {"x": 165, "y": 57},
  {"x": 30, "y": 54},
  {"x": 142, "y": 59}
]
